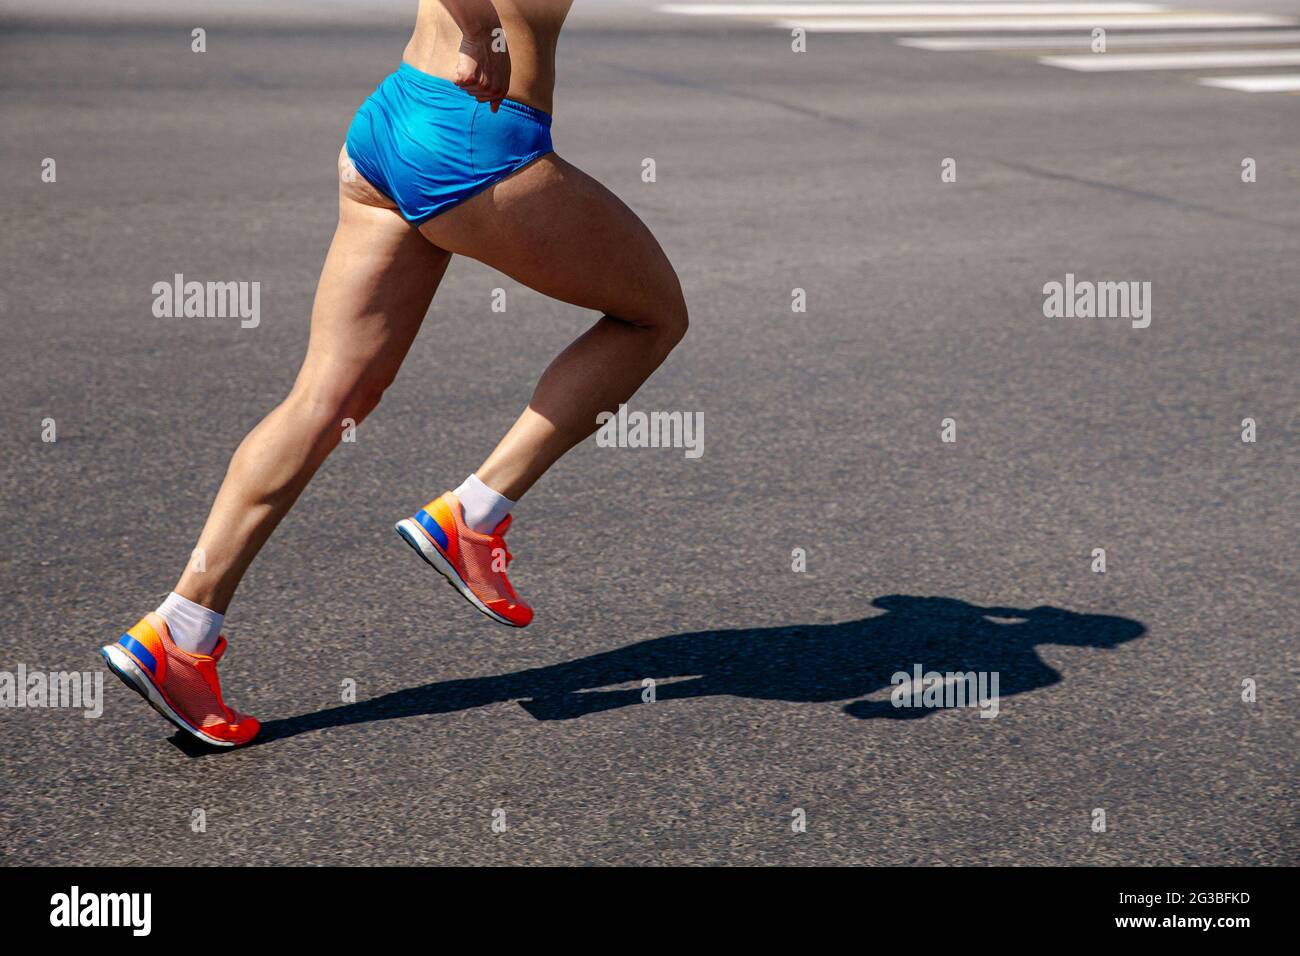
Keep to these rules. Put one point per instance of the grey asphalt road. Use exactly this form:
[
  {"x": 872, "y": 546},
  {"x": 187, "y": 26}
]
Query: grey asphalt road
[{"x": 1119, "y": 691}]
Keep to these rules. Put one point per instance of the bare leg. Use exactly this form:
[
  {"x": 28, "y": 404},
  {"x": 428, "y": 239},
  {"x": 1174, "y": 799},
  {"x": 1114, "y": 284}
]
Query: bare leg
[
  {"x": 557, "y": 230},
  {"x": 375, "y": 288}
]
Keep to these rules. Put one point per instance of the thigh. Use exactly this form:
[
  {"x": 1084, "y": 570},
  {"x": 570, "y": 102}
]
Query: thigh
[
  {"x": 555, "y": 229},
  {"x": 377, "y": 283}
]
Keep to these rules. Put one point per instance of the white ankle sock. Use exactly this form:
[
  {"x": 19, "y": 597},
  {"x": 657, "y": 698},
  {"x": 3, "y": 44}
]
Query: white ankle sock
[
  {"x": 193, "y": 627},
  {"x": 484, "y": 508}
]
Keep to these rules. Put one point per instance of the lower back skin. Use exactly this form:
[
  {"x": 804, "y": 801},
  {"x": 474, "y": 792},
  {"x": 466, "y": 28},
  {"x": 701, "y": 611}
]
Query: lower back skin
[{"x": 532, "y": 28}]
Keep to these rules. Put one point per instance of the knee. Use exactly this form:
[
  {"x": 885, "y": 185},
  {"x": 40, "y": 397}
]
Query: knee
[
  {"x": 675, "y": 320},
  {"x": 329, "y": 407},
  {"x": 666, "y": 316}
]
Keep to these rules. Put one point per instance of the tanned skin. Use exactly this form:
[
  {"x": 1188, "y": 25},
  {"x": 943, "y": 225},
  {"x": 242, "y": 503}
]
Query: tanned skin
[{"x": 547, "y": 225}]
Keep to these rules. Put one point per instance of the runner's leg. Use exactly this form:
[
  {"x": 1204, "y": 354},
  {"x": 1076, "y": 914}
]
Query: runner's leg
[
  {"x": 558, "y": 231},
  {"x": 375, "y": 288}
]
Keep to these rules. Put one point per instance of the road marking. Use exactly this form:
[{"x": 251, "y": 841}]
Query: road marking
[
  {"x": 814, "y": 9},
  {"x": 1025, "y": 16},
  {"x": 1277, "y": 83},
  {"x": 1083, "y": 41},
  {"x": 988, "y": 24},
  {"x": 1208, "y": 60}
]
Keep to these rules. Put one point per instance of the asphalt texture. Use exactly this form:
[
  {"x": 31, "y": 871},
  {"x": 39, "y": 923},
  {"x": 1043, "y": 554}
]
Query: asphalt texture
[{"x": 1120, "y": 691}]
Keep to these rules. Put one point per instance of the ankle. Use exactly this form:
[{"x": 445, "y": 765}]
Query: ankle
[
  {"x": 483, "y": 509},
  {"x": 193, "y": 627}
]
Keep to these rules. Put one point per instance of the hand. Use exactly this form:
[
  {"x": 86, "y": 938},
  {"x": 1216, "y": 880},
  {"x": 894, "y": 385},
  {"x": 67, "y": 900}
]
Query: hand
[{"x": 482, "y": 70}]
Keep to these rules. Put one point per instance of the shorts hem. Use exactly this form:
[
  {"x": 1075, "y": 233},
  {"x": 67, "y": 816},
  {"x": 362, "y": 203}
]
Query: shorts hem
[{"x": 528, "y": 160}]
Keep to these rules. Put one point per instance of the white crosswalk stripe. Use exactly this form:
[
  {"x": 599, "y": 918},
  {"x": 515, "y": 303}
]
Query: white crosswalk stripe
[
  {"x": 1083, "y": 41},
  {"x": 804, "y": 8},
  {"x": 1081, "y": 22},
  {"x": 1276, "y": 83},
  {"x": 1009, "y": 28},
  {"x": 1203, "y": 60}
]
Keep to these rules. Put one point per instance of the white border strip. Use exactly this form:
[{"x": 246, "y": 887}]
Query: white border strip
[
  {"x": 902, "y": 9},
  {"x": 1207, "y": 60},
  {"x": 1083, "y": 41},
  {"x": 1276, "y": 83},
  {"x": 998, "y": 24}
]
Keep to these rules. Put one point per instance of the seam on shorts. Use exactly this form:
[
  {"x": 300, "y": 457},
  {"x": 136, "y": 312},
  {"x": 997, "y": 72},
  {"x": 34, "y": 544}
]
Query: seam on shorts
[{"x": 473, "y": 121}]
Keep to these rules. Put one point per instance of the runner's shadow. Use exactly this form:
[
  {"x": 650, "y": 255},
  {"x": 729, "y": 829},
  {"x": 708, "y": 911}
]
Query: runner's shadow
[{"x": 802, "y": 663}]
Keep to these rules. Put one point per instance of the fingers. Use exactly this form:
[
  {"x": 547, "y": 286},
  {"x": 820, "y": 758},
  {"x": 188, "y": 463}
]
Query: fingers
[
  {"x": 491, "y": 93},
  {"x": 483, "y": 75},
  {"x": 484, "y": 87},
  {"x": 471, "y": 78},
  {"x": 465, "y": 78},
  {"x": 496, "y": 84}
]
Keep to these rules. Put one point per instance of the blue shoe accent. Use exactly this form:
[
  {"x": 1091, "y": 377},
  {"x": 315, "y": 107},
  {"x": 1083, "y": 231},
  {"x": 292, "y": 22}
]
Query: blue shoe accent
[
  {"x": 140, "y": 653},
  {"x": 426, "y": 522}
]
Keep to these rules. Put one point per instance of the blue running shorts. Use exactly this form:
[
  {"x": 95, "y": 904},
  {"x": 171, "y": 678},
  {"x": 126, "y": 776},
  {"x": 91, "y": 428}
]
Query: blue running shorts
[{"x": 427, "y": 145}]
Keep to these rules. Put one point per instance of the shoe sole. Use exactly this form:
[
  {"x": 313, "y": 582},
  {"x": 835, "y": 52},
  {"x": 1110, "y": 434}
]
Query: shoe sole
[
  {"x": 130, "y": 674},
  {"x": 414, "y": 535}
]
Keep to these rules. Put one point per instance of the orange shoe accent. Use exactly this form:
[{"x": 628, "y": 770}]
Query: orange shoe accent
[
  {"x": 474, "y": 563},
  {"x": 443, "y": 513},
  {"x": 183, "y": 687}
]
